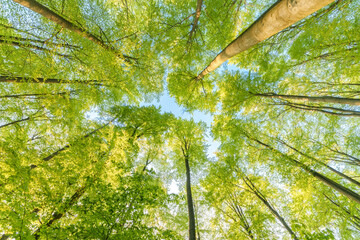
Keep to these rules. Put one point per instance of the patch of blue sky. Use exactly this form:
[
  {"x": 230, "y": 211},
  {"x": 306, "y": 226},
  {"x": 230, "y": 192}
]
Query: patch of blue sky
[{"x": 168, "y": 104}]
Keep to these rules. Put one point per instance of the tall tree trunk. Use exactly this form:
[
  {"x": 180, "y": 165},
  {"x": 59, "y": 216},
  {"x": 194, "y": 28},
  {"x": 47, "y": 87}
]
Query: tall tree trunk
[
  {"x": 37, "y": 95},
  {"x": 340, "y": 53},
  {"x": 278, "y": 17},
  {"x": 59, "y": 214},
  {"x": 323, "y": 99},
  {"x": 57, "y": 152},
  {"x": 196, "y": 20},
  {"x": 322, "y": 163},
  {"x": 14, "y": 122},
  {"x": 53, "y": 16},
  {"x": 236, "y": 208},
  {"x": 42, "y": 42},
  {"x": 338, "y": 187},
  {"x": 355, "y": 160},
  {"x": 192, "y": 229},
  {"x": 262, "y": 198},
  {"x": 355, "y": 219},
  {"x": 323, "y": 109},
  {"x": 12, "y": 79},
  {"x": 28, "y": 45}
]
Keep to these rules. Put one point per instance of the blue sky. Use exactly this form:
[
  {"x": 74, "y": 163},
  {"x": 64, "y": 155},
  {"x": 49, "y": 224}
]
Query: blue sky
[{"x": 168, "y": 104}]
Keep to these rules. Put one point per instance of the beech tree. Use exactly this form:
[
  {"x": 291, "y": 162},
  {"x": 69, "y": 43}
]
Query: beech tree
[
  {"x": 92, "y": 145},
  {"x": 279, "y": 16},
  {"x": 188, "y": 146}
]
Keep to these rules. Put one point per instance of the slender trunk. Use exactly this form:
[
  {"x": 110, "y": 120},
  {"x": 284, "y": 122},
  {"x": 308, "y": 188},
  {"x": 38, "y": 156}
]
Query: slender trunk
[
  {"x": 340, "y": 174},
  {"x": 326, "y": 55},
  {"x": 277, "y": 215},
  {"x": 338, "y": 187},
  {"x": 27, "y": 40},
  {"x": 323, "y": 164},
  {"x": 192, "y": 229},
  {"x": 196, "y": 20},
  {"x": 323, "y": 99},
  {"x": 54, "y": 17},
  {"x": 59, "y": 214},
  {"x": 350, "y": 157},
  {"x": 11, "y": 79},
  {"x": 355, "y": 218},
  {"x": 262, "y": 198},
  {"x": 323, "y": 109},
  {"x": 57, "y": 152},
  {"x": 337, "y": 84},
  {"x": 278, "y": 17},
  {"x": 35, "y": 95},
  {"x": 234, "y": 205},
  {"x": 27, "y": 45},
  {"x": 17, "y": 121}
]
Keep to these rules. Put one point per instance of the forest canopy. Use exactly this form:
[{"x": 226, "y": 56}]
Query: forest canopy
[{"x": 87, "y": 152}]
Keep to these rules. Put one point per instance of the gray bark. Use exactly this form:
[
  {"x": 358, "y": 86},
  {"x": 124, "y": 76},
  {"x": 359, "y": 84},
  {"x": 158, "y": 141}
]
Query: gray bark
[
  {"x": 280, "y": 16},
  {"x": 322, "y": 99},
  {"x": 54, "y": 17}
]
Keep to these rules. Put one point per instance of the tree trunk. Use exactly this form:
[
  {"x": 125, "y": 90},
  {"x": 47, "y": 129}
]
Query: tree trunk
[
  {"x": 234, "y": 205},
  {"x": 37, "y": 95},
  {"x": 57, "y": 215},
  {"x": 323, "y": 99},
  {"x": 262, "y": 198},
  {"x": 192, "y": 229},
  {"x": 338, "y": 187},
  {"x": 323, "y": 109},
  {"x": 323, "y": 164},
  {"x": 28, "y": 45},
  {"x": 11, "y": 79},
  {"x": 350, "y": 157},
  {"x": 278, "y": 17},
  {"x": 42, "y": 42},
  {"x": 17, "y": 121},
  {"x": 54, "y": 17},
  {"x": 196, "y": 20},
  {"x": 355, "y": 218},
  {"x": 57, "y": 152}
]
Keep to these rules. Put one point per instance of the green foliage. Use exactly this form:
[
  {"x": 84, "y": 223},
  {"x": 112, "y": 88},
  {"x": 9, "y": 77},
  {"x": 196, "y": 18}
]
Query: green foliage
[{"x": 81, "y": 157}]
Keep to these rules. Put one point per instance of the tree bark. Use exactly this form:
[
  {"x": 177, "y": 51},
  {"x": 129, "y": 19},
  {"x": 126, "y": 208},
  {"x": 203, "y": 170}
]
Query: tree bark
[
  {"x": 338, "y": 187},
  {"x": 17, "y": 121},
  {"x": 192, "y": 229},
  {"x": 323, "y": 99},
  {"x": 35, "y": 94},
  {"x": 355, "y": 218},
  {"x": 196, "y": 20},
  {"x": 27, "y": 45},
  {"x": 56, "y": 18},
  {"x": 42, "y": 42},
  {"x": 234, "y": 206},
  {"x": 323, "y": 164},
  {"x": 57, "y": 152},
  {"x": 262, "y": 198},
  {"x": 12, "y": 79},
  {"x": 57, "y": 215},
  {"x": 278, "y": 17},
  {"x": 323, "y": 109}
]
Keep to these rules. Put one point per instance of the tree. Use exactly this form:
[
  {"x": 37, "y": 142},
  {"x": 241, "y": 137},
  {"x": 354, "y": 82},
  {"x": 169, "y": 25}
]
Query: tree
[
  {"x": 280, "y": 16},
  {"x": 85, "y": 154},
  {"x": 188, "y": 145},
  {"x": 322, "y": 99}
]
